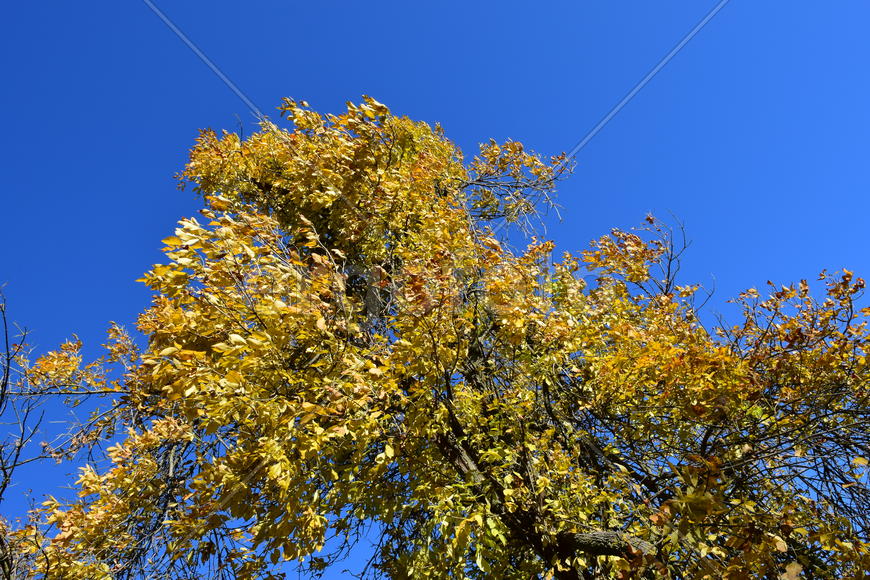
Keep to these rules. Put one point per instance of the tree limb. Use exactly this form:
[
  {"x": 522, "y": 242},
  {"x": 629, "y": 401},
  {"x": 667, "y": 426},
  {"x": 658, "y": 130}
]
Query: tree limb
[{"x": 601, "y": 543}]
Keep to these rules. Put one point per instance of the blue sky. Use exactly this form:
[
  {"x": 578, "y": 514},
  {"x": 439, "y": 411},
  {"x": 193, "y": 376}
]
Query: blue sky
[{"x": 755, "y": 136}]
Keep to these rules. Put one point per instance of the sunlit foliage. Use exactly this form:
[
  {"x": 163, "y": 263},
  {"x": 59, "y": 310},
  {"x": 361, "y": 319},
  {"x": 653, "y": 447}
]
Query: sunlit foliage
[{"x": 341, "y": 347}]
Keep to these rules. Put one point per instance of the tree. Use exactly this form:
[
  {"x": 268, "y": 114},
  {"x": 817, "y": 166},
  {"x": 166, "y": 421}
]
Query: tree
[
  {"x": 20, "y": 419},
  {"x": 344, "y": 348}
]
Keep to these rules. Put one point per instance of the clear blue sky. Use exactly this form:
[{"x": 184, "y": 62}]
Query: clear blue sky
[{"x": 755, "y": 135}]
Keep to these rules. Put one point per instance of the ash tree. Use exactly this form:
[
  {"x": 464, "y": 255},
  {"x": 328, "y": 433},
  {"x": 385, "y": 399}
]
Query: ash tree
[{"x": 341, "y": 350}]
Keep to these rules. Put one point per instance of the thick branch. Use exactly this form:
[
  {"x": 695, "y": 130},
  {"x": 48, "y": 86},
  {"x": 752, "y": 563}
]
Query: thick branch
[{"x": 601, "y": 543}]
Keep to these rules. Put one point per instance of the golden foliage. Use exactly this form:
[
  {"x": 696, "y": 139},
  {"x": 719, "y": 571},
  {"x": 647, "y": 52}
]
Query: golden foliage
[{"x": 344, "y": 341}]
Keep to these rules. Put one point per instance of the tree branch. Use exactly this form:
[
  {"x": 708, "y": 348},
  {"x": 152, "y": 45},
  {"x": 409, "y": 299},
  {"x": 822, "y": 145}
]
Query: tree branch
[{"x": 601, "y": 543}]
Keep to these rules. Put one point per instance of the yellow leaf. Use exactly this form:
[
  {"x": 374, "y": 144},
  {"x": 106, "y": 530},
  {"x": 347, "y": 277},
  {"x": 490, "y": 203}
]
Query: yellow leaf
[
  {"x": 780, "y": 544},
  {"x": 792, "y": 571}
]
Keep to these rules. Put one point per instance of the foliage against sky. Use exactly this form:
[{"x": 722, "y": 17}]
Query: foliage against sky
[{"x": 342, "y": 339}]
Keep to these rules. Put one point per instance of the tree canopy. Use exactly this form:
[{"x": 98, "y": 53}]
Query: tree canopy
[{"x": 343, "y": 349}]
